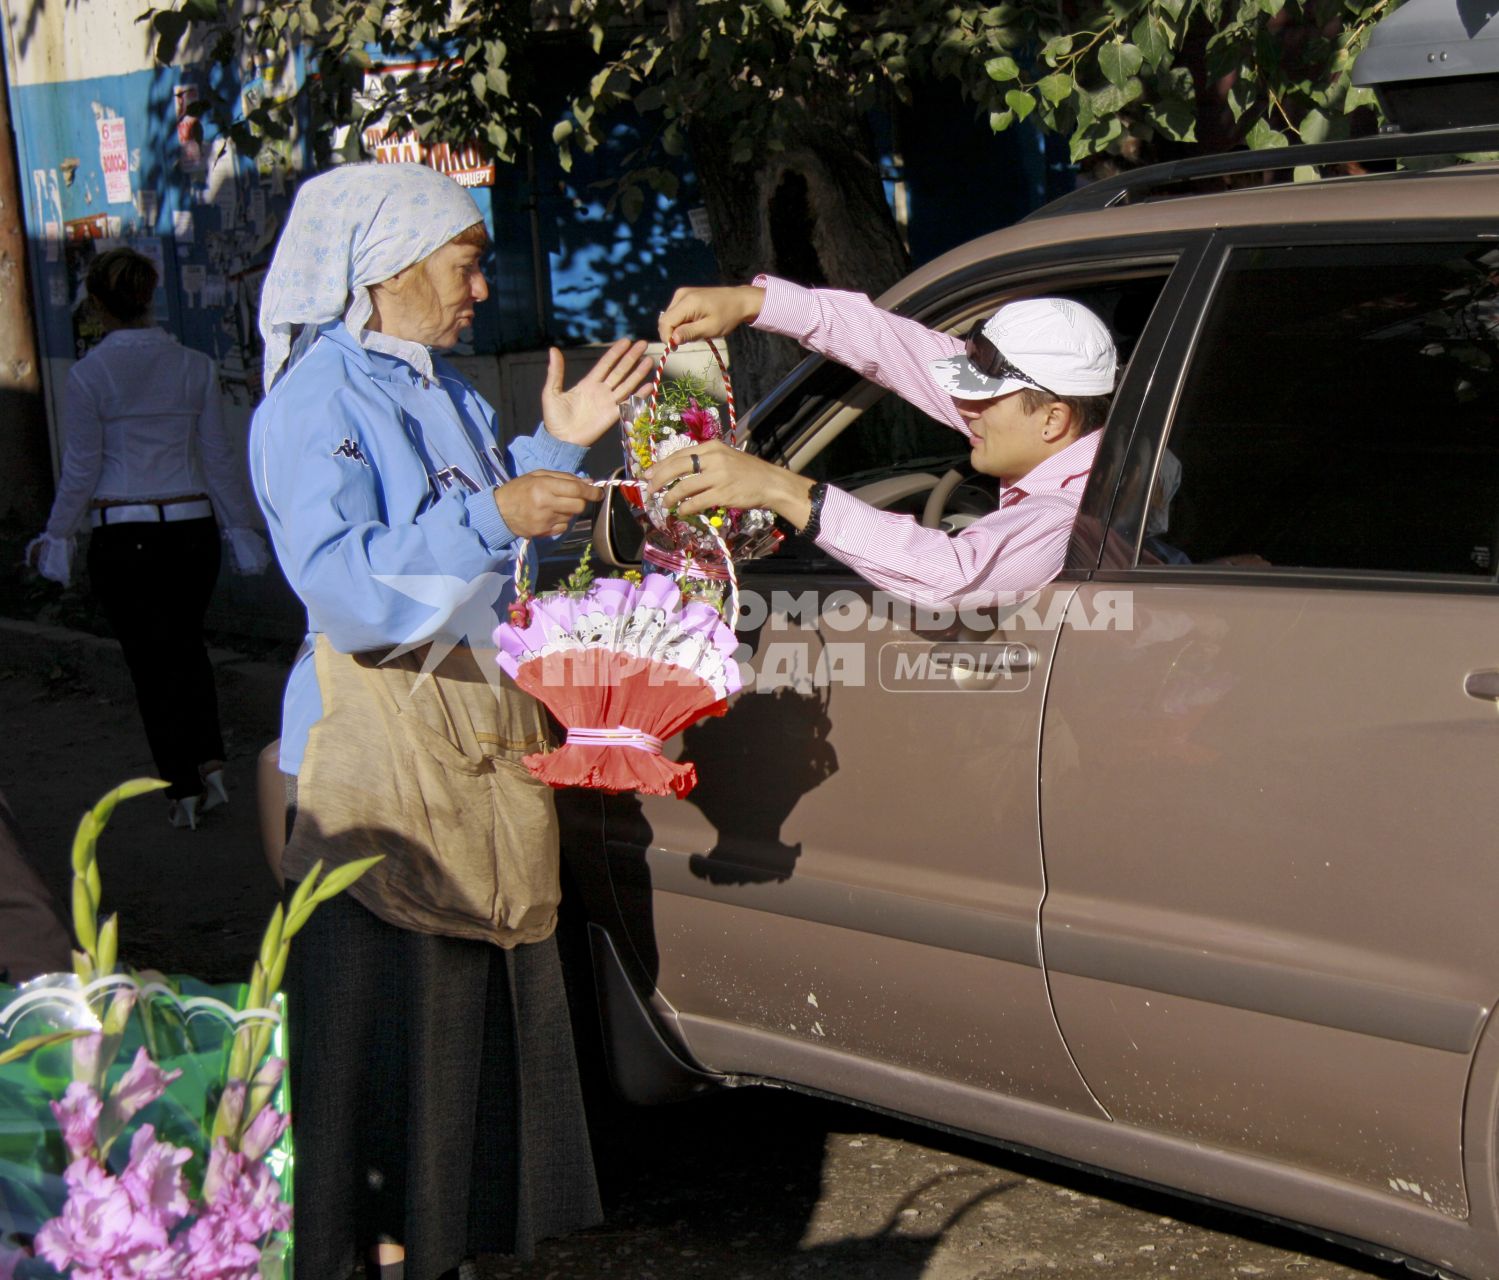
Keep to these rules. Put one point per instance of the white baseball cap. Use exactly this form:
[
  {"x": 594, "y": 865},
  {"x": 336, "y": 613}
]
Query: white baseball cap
[{"x": 1053, "y": 344}]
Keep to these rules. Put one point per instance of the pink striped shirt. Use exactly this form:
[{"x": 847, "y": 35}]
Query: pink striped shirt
[{"x": 998, "y": 559}]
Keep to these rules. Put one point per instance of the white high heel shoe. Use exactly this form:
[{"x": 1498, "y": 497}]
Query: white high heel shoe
[
  {"x": 215, "y": 792},
  {"x": 184, "y": 812}
]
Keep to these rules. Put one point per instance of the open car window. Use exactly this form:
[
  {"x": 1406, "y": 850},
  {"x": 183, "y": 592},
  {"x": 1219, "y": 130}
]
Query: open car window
[{"x": 874, "y": 444}]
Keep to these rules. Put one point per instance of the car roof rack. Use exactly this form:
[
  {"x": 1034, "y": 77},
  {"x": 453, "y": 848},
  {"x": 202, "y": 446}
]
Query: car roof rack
[{"x": 1126, "y": 188}]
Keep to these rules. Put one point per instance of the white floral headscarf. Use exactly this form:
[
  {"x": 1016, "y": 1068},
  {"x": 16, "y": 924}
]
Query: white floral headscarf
[{"x": 350, "y": 228}]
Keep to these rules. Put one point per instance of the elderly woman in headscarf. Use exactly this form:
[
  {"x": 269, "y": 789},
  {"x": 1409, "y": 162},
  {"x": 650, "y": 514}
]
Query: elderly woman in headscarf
[{"x": 438, "y": 1110}]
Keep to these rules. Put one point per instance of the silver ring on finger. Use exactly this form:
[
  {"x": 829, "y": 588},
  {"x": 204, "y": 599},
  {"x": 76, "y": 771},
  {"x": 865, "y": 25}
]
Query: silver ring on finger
[{"x": 697, "y": 465}]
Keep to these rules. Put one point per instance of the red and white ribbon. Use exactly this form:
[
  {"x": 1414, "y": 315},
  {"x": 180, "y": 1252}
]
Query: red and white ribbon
[{"x": 624, "y": 736}]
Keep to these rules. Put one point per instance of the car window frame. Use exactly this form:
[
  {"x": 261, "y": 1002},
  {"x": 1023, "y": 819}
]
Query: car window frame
[
  {"x": 1139, "y": 457},
  {"x": 817, "y": 382}
]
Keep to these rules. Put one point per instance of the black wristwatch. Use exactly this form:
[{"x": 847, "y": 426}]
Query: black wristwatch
[{"x": 817, "y": 495}]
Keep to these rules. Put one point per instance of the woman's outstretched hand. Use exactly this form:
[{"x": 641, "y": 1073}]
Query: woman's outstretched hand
[{"x": 581, "y": 414}]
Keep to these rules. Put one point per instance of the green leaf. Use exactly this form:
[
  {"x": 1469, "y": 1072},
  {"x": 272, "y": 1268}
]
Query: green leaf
[
  {"x": 1002, "y": 69},
  {"x": 1020, "y": 102},
  {"x": 1176, "y": 119},
  {"x": 1153, "y": 38},
  {"x": 170, "y": 26},
  {"x": 1056, "y": 47},
  {"x": 1243, "y": 94},
  {"x": 1095, "y": 138},
  {"x": 672, "y": 141},
  {"x": 1113, "y": 98},
  {"x": 1118, "y": 62},
  {"x": 562, "y": 130},
  {"x": 201, "y": 10},
  {"x": 30, "y": 1045},
  {"x": 498, "y": 79},
  {"x": 1264, "y": 136},
  {"x": 479, "y": 85},
  {"x": 1174, "y": 8},
  {"x": 1358, "y": 96},
  {"x": 1313, "y": 127},
  {"x": 631, "y": 203},
  {"x": 999, "y": 121},
  {"x": 1057, "y": 87},
  {"x": 651, "y": 98}
]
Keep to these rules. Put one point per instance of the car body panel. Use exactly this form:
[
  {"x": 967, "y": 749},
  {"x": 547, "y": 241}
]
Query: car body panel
[
  {"x": 1262, "y": 831},
  {"x": 782, "y": 900}
]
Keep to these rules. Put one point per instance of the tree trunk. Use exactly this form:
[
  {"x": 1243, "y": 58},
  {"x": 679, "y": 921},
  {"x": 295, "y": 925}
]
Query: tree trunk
[
  {"x": 25, "y": 456},
  {"x": 814, "y": 212}
]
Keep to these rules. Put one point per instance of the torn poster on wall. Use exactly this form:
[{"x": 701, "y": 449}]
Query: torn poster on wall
[{"x": 114, "y": 159}]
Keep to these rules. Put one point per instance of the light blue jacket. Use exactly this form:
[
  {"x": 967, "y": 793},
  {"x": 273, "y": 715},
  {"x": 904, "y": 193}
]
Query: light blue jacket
[{"x": 367, "y": 470}]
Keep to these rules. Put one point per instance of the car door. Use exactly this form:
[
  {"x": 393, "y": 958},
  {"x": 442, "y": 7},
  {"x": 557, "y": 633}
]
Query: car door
[
  {"x": 857, "y": 877},
  {"x": 1267, "y": 801}
]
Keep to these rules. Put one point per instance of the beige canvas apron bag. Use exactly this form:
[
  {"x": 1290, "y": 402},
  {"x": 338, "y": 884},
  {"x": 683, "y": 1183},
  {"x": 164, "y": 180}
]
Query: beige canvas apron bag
[{"x": 426, "y": 770}]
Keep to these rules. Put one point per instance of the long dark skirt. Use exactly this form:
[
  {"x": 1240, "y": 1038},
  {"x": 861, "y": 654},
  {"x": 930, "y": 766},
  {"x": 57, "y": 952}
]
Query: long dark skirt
[{"x": 435, "y": 1097}]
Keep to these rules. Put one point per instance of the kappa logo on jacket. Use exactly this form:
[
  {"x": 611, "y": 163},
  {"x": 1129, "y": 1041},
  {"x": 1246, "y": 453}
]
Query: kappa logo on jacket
[{"x": 350, "y": 449}]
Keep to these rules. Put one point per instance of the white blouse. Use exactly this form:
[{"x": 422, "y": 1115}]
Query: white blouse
[{"x": 142, "y": 421}]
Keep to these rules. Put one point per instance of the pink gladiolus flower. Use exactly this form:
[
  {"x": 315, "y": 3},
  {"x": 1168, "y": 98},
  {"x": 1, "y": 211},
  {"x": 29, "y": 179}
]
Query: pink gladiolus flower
[
  {"x": 98, "y": 1225},
  {"x": 78, "y": 1116},
  {"x": 263, "y": 1134},
  {"x": 10, "y": 1259},
  {"x": 213, "y": 1250},
  {"x": 153, "y": 1179},
  {"x": 244, "y": 1193},
  {"x": 700, "y": 423},
  {"x": 140, "y": 1086}
]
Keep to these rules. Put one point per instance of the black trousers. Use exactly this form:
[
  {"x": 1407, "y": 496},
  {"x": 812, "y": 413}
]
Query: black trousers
[{"x": 154, "y": 582}]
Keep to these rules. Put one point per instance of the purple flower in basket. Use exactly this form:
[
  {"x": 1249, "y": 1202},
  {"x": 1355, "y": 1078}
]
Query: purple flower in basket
[
  {"x": 78, "y": 1118},
  {"x": 100, "y": 1229},
  {"x": 153, "y": 1179},
  {"x": 214, "y": 1250},
  {"x": 242, "y": 1206},
  {"x": 699, "y": 423},
  {"x": 140, "y": 1086}
]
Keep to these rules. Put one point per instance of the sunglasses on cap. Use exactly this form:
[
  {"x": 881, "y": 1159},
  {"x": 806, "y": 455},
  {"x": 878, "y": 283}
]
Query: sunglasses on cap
[{"x": 990, "y": 361}]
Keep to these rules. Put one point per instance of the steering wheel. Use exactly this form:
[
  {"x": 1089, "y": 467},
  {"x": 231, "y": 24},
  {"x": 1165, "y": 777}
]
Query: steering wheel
[{"x": 952, "y": 503}]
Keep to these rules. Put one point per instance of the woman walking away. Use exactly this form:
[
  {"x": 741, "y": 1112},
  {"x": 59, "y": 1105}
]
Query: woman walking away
[
  {"x": 148, "y": 463},
  {"x": 438, "y": 1112}
]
